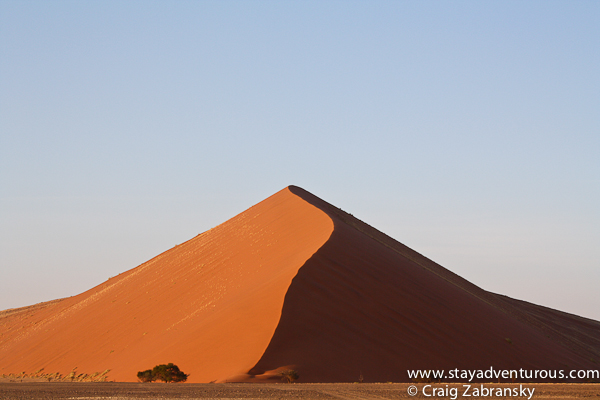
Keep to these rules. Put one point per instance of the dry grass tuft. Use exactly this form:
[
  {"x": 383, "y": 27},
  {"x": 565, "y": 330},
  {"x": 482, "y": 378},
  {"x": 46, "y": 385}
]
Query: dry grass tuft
[{"x": 73, "y": 376}]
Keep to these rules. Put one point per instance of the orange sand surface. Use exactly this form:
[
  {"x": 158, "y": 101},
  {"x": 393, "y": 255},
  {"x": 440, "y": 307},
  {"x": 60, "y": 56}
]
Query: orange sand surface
[{"x": 292, "y": 282}]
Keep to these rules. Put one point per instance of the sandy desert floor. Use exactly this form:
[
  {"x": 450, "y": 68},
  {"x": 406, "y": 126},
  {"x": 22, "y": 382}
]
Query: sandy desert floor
[{"x": 308, "y": 391}]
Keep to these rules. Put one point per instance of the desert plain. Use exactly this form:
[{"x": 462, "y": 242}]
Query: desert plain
[{"x": 307, "y": 391}]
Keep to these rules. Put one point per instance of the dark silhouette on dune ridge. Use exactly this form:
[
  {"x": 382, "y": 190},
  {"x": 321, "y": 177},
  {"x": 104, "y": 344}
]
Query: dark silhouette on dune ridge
[{"x": 292, "y": 283}]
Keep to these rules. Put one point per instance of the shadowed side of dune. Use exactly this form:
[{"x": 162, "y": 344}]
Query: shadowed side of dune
[
  {"x": 209, "y": 305},
  {"x": 581, "y": 335},
  {"x": 360, "y": 306}
]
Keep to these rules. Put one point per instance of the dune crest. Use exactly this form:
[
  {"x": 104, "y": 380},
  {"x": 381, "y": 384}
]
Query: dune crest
[{"x": 292, "y": 282}]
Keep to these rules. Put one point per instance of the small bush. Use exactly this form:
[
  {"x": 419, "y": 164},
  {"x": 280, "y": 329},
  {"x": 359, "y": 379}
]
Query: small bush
[
  {"x": 289, "y": 375},
  {"x": 163, "y": 372},
  {"x": 145, "y": 376}
]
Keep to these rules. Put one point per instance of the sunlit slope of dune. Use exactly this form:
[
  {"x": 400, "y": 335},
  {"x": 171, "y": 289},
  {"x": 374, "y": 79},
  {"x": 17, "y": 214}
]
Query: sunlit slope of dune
[
  {"x": 210, "y": 305},
  {"x": 292, "y": 282}
]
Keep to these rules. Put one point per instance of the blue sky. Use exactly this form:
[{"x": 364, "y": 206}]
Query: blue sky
[{"x": 469, "y": 131}]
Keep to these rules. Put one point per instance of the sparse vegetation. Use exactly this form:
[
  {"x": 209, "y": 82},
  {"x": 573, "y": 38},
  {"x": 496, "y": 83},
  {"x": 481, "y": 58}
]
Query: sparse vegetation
[
  {"x": 57, "y": 377},
  {"x": 145, "y": 376},
  {"x": 289, "y": 375},
  {"x": 163, "y": 372},
  {"x": 421, "y": 380}
]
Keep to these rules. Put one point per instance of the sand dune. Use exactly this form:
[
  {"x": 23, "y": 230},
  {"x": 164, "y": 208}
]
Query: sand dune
[{"x": 291, "y": 282}]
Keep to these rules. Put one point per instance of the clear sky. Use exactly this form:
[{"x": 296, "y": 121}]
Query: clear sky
[{"x": 469, "y": 131}]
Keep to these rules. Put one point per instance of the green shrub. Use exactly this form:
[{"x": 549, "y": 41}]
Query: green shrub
[
  {"x": 163, "y": 372},
  {"x": 289, "y": 375},
  {"x": 145, "y": 376}
]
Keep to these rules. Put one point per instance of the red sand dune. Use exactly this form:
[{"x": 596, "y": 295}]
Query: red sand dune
[{"x": 292, "y": 282}]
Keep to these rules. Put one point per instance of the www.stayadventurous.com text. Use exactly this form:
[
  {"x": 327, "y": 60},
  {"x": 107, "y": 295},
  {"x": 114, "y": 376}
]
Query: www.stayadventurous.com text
[{"x": 521, "y": 374}]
